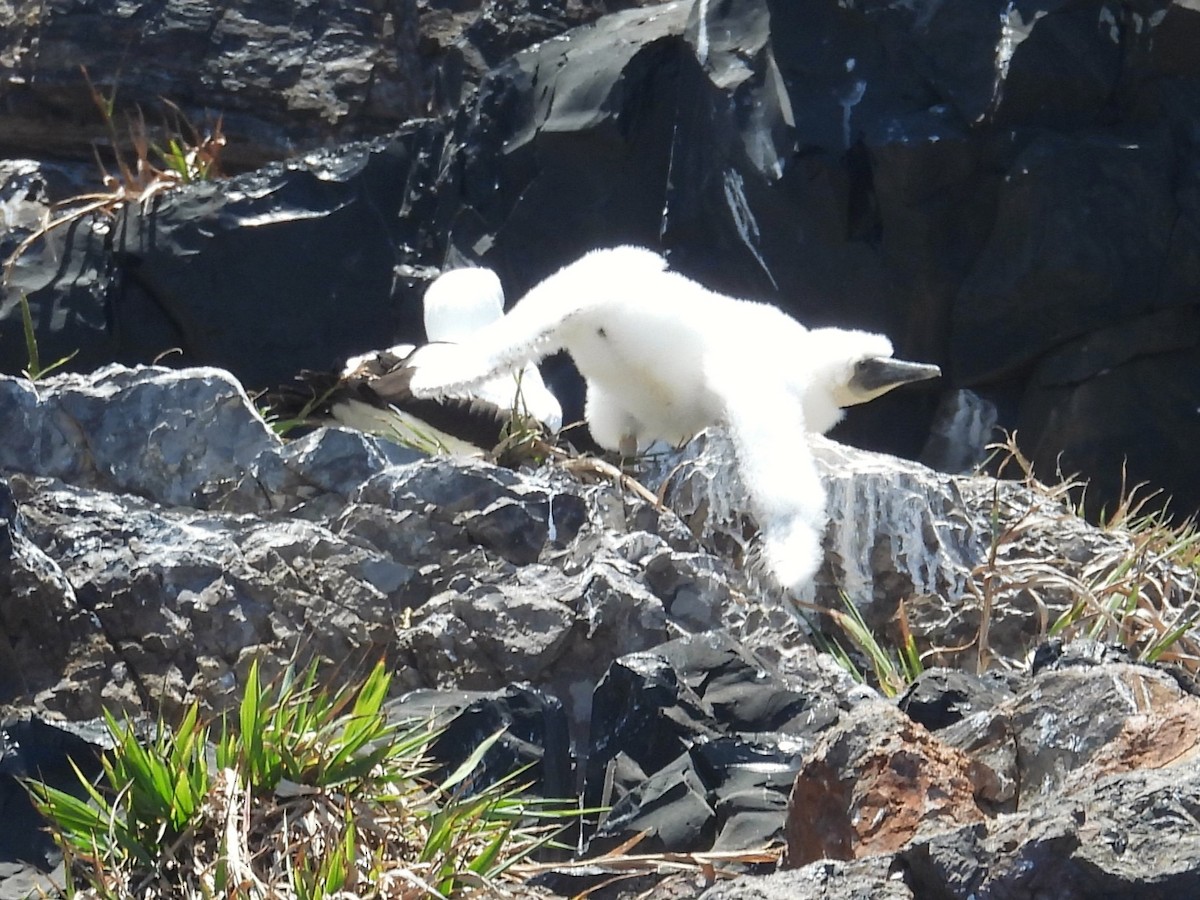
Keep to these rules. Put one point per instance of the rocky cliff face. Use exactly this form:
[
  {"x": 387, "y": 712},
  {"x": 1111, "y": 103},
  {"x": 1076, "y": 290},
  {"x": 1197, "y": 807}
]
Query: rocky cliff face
[
  {"x": 1007, "y": 192},
  {"x": 157, "y": 538}
]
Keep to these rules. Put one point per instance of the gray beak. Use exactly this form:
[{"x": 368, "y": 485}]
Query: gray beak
[{"x": 878, "y": 374}]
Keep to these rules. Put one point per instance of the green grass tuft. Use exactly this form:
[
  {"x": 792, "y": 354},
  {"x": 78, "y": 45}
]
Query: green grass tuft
[{"x": 309, "y": 793}]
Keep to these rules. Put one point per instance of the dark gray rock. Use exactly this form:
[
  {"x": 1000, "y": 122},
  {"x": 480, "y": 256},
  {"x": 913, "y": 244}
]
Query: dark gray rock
[
  {"x": 939, "y": 698},
  {"x": 517, "y": 530},
  {"x": 171, "y": 277},
  {"x": 31, "y": 748},
  {"x": 671, "y": 807},
  {"x": 41, "y": 620},
  {"x": 948, "y": 546},
  {"x": 147, "y": 432},
  {"x": 239, "y": 546},
  {"x": 1071, "y": 274},
  {"x": 1065, "y": 720},
  {"x": 1094, "y": 763},
  {"x": 534, "y": 737},
  {"x": 340, "y": 72},
  {"x": 873, "y": 878},
  {"x": 1085, "y": 653},
  {"x": 461, "y": 41},
  {"x": 180, "y": 605},
  {"x": 313, "y": 475},
  {"x": 267, "y": 315},
  {"x": 337, "y": 71},
  {"x": 484, "y": 635},
  {"x": 1069, "y": 418},
  {"x": 697, "y": 743},
  {"x": 554, "y": 627},
  {"x": 1130, "y": 835},
  {"x": 145, "y": 566},
  {"x": 69, "y": 280}
]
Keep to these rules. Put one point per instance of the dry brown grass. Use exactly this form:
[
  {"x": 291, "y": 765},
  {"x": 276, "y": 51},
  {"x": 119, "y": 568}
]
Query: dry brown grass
[
  {"x": 186, "y": 156},
  {"x": 1136, "y": 588}
]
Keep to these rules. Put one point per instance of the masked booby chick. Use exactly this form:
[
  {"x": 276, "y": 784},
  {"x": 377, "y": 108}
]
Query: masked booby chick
[
  {"x": 372, "y": 392},
  {"x": 664, "y": 357}
]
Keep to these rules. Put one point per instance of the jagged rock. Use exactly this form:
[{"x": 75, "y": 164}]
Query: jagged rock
[
  {"x": 172, "y": 277},
  {"x": 697, "y": 742},
  {"x": 1130, "y": 835},
  {"x": 312, "y": 475},
  {"x": 40, "y": 616},
  {"x": 961, "y": 176},
  {"x": 1068, "y": 726},
  {"x": 873, "y": 783},
  {"x": 467, "y": 574},
  {"x": 1081, "y": 757},
  {"x": 337, "y": 546},
  {"x": 534, "y": 737},
  {"x": 179, "y": 606},
  {"x": 142, "y": 432},
  {"x": 938, "y": 548},
  {"x": 1099, "y": 810},
  {"x": 1058, "y": 654},
  {"x": 462, "y": 41},
  {"x": 342, "y": 71},
  {"x": 872, "y": 878},
  {"x": 145, "y": 567},
  {"x": 895, "y": 528},
  {"x": 939, "y": 697},
  {"x": 1124, "y": 835}
]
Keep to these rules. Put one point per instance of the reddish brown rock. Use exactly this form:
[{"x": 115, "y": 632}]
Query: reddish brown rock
[{"x": 874, "y": 783}]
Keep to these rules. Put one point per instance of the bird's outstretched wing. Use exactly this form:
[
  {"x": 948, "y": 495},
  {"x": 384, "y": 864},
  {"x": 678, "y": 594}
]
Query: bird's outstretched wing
[
  {"x": 777, "y": 468},
  {"x": 535, "y": 327}
]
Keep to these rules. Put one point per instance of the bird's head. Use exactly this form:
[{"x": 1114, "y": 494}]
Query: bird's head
[
  {"x": 462, "y": 301},
  {"x": 874, "y": 376},
  {"x": 858, "y": 366}
]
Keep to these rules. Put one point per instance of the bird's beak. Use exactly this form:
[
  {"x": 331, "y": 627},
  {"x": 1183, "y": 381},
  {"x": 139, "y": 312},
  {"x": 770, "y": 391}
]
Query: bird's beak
[{"x": 877, "y": 375}]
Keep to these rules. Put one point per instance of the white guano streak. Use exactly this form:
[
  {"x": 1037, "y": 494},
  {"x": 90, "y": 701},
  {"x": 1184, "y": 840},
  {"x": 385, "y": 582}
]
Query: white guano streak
[
  {"x": 1013, "y": 31},
  {"x": 850, "y": 101},
  {"x": 702, "y": 34},
  {"x": 743, "y": 218}
]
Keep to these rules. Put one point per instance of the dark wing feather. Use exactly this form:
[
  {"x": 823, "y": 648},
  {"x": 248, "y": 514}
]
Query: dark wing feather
[
  {"x": 385, "y": 383},
  {"x": 382, "y": 382}
]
